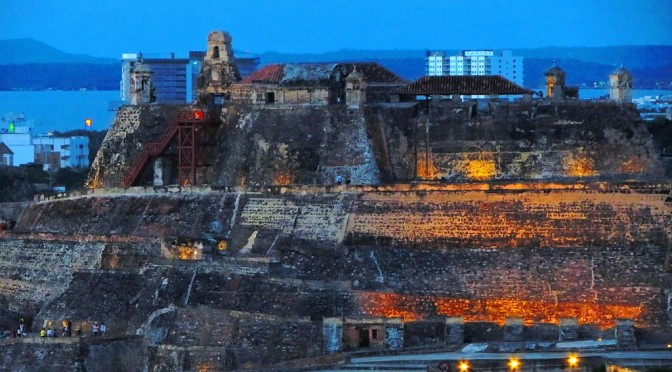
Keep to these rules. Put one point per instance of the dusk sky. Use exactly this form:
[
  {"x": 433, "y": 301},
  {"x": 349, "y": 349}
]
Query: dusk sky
[{"x": 107, "y": 28}]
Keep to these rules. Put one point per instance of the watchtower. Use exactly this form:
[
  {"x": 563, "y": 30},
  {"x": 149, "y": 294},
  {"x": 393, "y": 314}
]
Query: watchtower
[
  {"x": 355, "y": 88},
  {"x": 620, "y": 82},
  {"x": 555, "y": 82},
  {"x": 219, "y": 68},
  {"x": 142, "y": 88}
]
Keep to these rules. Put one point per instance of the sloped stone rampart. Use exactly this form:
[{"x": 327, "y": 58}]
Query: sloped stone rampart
[
  {"x": 485, "y": 252},
  {"x": 36, "y": 271},
  {"x": 486, "y": 220}
]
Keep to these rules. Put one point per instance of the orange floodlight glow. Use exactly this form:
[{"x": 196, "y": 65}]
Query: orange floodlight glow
[
  {"x": 88, "y": 122},
  {"x": 514, "y": 364},
  {"x": 463, "y": 366},
  {"x": 198, "y": 115},
  {"x": 573, "y": 361}
]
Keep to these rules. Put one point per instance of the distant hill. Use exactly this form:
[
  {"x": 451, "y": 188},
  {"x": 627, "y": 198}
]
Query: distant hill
[
  {"x": 651, "y": 65},
  {"x": 27, "y": 64},
  {"x": 21, "y": 51}
]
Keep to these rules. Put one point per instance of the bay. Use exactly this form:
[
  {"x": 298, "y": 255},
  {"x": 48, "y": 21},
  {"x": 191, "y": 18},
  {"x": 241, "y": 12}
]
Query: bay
[
  {"x": 585, "y": 93},
  {"x": 61, "y": 110}
]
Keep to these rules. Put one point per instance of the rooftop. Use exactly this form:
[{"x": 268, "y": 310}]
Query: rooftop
[
  {"x": 295, "y": 74},
  {"x": 467, "y": 85},
  {"x": 4, "y": 150}
]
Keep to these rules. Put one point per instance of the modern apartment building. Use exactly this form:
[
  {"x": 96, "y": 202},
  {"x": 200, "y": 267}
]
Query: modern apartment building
[{"x": 476, "y": 62}]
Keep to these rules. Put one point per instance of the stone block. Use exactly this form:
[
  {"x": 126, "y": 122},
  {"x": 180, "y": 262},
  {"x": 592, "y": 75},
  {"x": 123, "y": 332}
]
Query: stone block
[
  {"x": 454, "y": 332},
  {"x": 394, "y": 334},
  {"x": 568, "y": 329},
  {"x": 332, "y": 334},
  {"x": 625, "y": 334},
  {"x": 513, "y": 329}
]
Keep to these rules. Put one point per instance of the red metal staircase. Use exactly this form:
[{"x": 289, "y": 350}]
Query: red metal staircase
[{"x": 184, "y": 126}]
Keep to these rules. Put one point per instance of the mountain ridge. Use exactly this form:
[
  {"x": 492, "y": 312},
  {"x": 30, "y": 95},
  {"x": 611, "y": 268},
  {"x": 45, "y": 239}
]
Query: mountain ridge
[
  {"x": 28, "y": 64},
  {"x": 27, "y": 50}
]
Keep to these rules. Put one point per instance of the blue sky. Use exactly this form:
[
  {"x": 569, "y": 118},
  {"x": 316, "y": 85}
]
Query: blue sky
[{"x": 106, "y": 28}]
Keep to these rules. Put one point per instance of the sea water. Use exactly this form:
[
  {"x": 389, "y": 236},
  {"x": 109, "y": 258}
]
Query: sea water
[{"x": 61, "y": 110}]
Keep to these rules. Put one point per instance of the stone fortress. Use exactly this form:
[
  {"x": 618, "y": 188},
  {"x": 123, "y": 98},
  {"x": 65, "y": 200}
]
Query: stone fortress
[{"x": 313, "y": 210}]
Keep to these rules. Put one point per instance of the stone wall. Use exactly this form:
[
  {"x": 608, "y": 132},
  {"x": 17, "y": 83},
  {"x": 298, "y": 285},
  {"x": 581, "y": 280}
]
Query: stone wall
[
  {"x": 302, "y": 143},
  {"x": 133, "y": 127},
  {"x": 73, "y": 354},
  {"x": 473, "y": 141},
  {"x": 596, "y": 253},
  {"x": 237, "y": 339},
  {"x": 509, "y": 219},
  {"x": 36, "y": 271},
  {"x": 293, "y": 256},
  {"x": 293, "y": 145},
  {"x": 11, "y": 211}
]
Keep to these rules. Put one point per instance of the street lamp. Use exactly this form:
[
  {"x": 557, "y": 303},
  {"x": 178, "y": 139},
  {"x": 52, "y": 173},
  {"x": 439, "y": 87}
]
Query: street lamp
[
  {"x": 573, "y": 361},
  {"x": 514, "y": 364},
  {"x": 463, "y": 366}
]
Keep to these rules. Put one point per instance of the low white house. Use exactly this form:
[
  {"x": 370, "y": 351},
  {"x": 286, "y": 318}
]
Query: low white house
[
  {"x": 16, "y": 134},
  {"x": 6, "y": 155},
  {"x": 72, "y": 151}
]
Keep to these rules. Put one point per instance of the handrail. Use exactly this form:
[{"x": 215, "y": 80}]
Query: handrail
[{"x": 153, "y": 149}]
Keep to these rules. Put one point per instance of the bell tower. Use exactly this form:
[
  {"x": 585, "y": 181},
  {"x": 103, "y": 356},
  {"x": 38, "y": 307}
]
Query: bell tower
[
  {"x": 219, "y": 68},
  {"x": 620, "y": 82}
]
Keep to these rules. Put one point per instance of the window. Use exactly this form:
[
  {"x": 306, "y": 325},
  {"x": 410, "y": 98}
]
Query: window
[{"x": 374, "y": 334}]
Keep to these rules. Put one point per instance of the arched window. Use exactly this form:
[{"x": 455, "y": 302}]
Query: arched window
[{"x": 215, "y": 52}]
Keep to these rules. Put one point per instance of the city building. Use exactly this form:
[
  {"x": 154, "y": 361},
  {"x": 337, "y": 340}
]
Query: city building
[
  {"x": 175, "y": 79},
  {"x": 169, "y": 78},
  {"x": 435, "y": 65},
  {"x": 476, "y": 62},
  {"x": 16, "y": 134},
  {"x": 62, "y": 152}
]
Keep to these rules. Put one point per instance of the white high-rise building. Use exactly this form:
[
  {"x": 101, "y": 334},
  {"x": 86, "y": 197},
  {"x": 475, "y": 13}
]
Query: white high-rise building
[
  {"x": 476, "y": 62},
  {"x": 435, "y": 65}
]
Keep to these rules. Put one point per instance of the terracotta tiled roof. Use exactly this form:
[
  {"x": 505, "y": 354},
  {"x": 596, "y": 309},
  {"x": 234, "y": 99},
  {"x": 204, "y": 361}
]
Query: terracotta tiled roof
[
  {"x": 271, "y": 74},
  {"x": 307, "y": 74},
  {"x": 292, "y": 74},
  {"x": 4, "y": 150},
  {"x": 374, "y": 73},
  {"x": 467, "y": 85},
  {"x": 310, "y": 74}
]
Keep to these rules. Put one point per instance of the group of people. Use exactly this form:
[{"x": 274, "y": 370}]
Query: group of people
[
  {"x": 21, "y": 331},
  {"x": 96, "y": 329}
]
